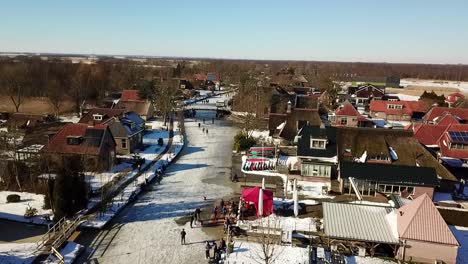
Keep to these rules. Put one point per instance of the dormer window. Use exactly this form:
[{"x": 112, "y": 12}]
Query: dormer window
[
  {"x": 318, "y": 143},
  {"x": 73, "y": 140},
  {"x": 97, "y": 117},
  {"x": 395, "y": 106}
]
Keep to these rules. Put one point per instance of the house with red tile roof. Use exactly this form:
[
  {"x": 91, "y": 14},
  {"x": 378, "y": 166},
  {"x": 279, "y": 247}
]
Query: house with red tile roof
[
  {"x": 93, "y": 144},
  {"x": 398, "y": 110},
  {"x": 347, "y": 115},
  {"x": 453, "y": 98},
  {"x": 424, "y": 233},
  {"x": 131, "y": 101},
  {"x": 447, "y": 138},
  {"x": 434, "y": 115}
]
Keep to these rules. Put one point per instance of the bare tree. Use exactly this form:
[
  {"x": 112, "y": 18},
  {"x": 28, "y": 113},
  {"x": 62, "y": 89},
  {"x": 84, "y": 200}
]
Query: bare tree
[
  {"x": 10, "y": 142},
  {"x": 15, "y": 80},
  {"x": 166, "y": 91},
  {"x": 55, "y": 94},
  {"x": 268, "y": 243}
]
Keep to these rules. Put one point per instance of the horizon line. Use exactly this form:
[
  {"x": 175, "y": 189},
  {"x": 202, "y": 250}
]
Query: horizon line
[{"x": 3, "y": 53}]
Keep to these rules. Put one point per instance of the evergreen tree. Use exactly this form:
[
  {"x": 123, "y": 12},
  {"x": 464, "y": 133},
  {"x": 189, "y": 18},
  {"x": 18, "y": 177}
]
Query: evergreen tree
[
  {"x": 70, "y": 190},
  {"x": 61, "y": 195}
]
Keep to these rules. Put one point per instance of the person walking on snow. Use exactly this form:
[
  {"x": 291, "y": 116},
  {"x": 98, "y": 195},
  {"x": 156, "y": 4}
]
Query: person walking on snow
[
  {"x": 182, "y": 237},
  {"x": 191, "y": 220}
]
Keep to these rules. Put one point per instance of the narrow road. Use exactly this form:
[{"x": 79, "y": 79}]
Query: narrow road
[{"x": 146, "y": 232}]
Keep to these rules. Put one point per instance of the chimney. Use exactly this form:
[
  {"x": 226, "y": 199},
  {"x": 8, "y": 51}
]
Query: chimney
[{"x": 288, "y": 110}]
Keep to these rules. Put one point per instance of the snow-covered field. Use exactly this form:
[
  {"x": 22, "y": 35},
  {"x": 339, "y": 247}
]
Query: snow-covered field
[
  {"x": 405, "y": 97},
  {"x": 17, "y": 253},
  {"x": 15, "y": 211},
  {"x": 249, "y": 252},
  {"x": 146, "y": 232},
  {"x": 463, "y": 86}
]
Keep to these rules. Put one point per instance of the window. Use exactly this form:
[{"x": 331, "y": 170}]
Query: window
[
  {"x": 317, "y": 170},
  {"x": 394, "y": 106},
  {"x": 344, "y": 121},
  {"x": 458, "y": 146},
  {"x": 317, "y": 143},
  {"x": 124, "y": 143},
  {"x": 97, "y": 117}
]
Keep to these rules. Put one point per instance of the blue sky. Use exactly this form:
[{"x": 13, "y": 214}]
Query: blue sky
[{"x": 353, "y": 30}]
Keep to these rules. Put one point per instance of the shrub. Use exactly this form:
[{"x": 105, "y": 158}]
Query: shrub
[
  {"x": 243, "y": 142},
  {"x": 13, "y": 198},
  {"x": 230, "y": 247},
  {"x": 30, "y": 212}
]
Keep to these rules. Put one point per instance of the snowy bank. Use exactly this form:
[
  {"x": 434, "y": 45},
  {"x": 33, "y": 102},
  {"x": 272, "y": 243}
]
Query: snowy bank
[
  {"x": 70, "y": 252},
  {"x": 17, "y": 253},
  {"x": 15, "y": 211},
  {"x": 135, "y": 188}
]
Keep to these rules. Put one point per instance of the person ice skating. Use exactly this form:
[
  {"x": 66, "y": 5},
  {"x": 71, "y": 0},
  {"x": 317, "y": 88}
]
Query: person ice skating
[
  {"x": 191, "y": 220},
  {"x": 197, "y": 214},
  {"x": 207, "y": 131},
  {"x": 224, "y": 210},
  {"x": 215, "y": 211},
  {"x": 222, "y": 244},
  {"x": 203, "y": 130},
  {"x": 199, "y": 125},
  {"x": 182, "y": 236}
]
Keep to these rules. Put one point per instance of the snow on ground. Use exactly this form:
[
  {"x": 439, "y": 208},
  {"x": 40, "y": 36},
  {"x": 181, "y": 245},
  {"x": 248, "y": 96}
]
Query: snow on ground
[
  {"x": 281, "y": 222},
  {"x": 69, "y": 118},
  {"x": 126, "y": 195},
  {"x": 443, "y": 197},
  {"x": 463, "y": 86},
  {"x": 15, "y": 211},
  {"x": 70, "y": 252},
  {"x": 261, "y": 134},
  {"x": 370, "y": 203},
  {"x": 367, "y": 260},
  {"x": 146, "y": 232},
  {"x": 17, "y": 253},
  {"x": 249, "y": 252},
  {"x": 404, "y": 97},
  {"x": 289, "y": 203},
  {"x": 461, "y": 234},
  {"x": 311, "y": 189}
]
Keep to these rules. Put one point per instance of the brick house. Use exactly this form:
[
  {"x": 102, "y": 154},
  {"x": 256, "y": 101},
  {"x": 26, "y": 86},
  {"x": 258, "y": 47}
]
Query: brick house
[
  {"x": 398, "y": 110},
  {"x": 132, "y": 102},
  {"x": 94, "y": 144},
  {"x": 347, "y": 115}
]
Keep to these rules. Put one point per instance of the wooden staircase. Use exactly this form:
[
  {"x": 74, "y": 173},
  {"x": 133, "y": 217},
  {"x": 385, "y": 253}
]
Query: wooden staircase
[{"x": 51, "y": 241}]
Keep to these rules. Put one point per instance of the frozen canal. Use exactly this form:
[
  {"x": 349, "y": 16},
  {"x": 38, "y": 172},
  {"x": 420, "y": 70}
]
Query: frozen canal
[{"x": 146, "y": 232}]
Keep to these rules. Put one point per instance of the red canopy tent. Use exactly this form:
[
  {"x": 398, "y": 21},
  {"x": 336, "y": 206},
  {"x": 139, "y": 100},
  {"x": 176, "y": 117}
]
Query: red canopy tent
[{"x": 252, "y": 195}]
